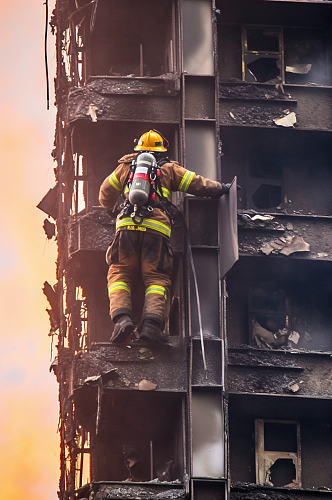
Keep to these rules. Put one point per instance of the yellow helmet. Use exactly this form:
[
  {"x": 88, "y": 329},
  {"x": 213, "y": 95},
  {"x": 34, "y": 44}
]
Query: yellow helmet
[{"x": 151, "y": 141}]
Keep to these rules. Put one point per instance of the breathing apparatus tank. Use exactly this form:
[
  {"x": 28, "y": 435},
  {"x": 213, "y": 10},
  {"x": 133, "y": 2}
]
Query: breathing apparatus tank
[{"x": 140, "y": 183}]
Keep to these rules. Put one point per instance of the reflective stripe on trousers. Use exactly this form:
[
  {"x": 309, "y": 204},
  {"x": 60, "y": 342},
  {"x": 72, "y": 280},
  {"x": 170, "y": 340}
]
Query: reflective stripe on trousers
[{"x": 149, "y": 253}]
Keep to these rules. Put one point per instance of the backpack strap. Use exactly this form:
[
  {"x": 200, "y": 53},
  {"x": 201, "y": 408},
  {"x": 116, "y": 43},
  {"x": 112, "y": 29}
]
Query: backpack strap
[{"x": 155, "y": 189}]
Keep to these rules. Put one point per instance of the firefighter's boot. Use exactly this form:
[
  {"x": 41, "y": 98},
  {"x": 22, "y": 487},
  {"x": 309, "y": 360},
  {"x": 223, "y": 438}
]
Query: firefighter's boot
[
  {"x": 123, "y": 329},
  {"x": 152, "y": 333}
]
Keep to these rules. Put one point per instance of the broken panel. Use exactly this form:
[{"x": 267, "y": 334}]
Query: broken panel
[
  {"x": 50, "y": 202},
  {"x": 198, "y": 51},
  {"x": 228, "y": 230},
  {"x": 262, "y": 56},
  {"x": 207, "y": 433},
  {"x": 278, "y": 453},
  {"x": 201, "y": 156}
]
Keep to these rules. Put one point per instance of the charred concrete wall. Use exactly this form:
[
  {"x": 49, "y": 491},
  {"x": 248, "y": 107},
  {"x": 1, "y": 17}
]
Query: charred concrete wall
[
  {"x": 275, "y": 127},
  {"x": 132, "y": 413}
]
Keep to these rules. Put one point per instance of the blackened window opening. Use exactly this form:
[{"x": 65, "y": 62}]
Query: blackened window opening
[
  {"x": 264, "y": 69},
  {"x": 262, "y": 40},
  {"x": 269, "y": 316},
  {"x": 139, "y": 438},
  {"x": 307, "y": 56},
  {"x": 280, "y": 437},
  {"x": 265, "y": 168},
  {"x": 267, "y": 196},
  {"x": 294, "y": 55},
  {"x": 282, "y": 472},
  {"x": 138, "y": 44}
]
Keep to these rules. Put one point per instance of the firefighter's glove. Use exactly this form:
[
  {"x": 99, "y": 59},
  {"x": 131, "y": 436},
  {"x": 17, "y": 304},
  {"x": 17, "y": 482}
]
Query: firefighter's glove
[{"x": 225, "y": 188}]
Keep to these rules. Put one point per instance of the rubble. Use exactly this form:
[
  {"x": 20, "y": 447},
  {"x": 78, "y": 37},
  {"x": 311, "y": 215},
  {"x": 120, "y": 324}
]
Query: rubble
[
  {"x": 248, "y": 91},
  {"x": 146, "y": 385},
  {"x": 132, "y": 492},
  {"x": 286, "y": 246}
]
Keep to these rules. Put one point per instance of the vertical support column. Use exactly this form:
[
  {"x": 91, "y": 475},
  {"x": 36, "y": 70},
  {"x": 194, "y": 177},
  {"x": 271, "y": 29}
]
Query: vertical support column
[{"x": 201, "y": 139}]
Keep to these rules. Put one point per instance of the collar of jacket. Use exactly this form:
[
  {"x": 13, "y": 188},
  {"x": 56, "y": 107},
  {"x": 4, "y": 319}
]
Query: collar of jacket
[{"x": 128, "y": 158}]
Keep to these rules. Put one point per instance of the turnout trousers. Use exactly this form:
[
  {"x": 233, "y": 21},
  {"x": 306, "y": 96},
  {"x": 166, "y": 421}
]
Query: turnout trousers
[{"x": 150, "y": 253}]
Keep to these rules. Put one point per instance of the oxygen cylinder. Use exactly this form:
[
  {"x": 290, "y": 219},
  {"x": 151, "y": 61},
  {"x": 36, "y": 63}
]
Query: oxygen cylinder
[{"x": 140, "y": 186}]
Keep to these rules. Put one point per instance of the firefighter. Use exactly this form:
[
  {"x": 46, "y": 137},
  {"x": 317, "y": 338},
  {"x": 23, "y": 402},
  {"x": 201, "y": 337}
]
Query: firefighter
[{"x": 142, "y": 240}]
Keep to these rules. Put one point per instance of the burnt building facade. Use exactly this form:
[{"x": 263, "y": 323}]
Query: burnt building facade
[{"x": 239, "y": 407}]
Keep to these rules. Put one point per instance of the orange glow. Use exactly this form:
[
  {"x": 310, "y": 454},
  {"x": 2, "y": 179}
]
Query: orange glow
[{"x": 29, "y": 444}]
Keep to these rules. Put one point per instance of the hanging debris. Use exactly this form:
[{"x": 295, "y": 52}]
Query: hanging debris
[
  {"x": 92, "y": 112},
  {"x": 288, "y": 120},
  {"x": 49, "y": 228},
  {"x": 54, "y": 312},
  {"x": 50, "y": 203},
  {"x": 299, "y": 69}
]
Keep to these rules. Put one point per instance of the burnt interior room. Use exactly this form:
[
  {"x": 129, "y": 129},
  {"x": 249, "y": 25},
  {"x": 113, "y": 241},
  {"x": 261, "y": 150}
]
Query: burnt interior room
[
  {"x": 280, "y": 171},
  {"x": 311, "y": 451},
  {"x": 101, "y": 145},
  {"x": 127, "y": 45},
  {"x": 277, "y": 41},
  {"x": 268, "y": 299},
  {"x": 139, "y": 435},
  {"x": 87, "y": 304}
]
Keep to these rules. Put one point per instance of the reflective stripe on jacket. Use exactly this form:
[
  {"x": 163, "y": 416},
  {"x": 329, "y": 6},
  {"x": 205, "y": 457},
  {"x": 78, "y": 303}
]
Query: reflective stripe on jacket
[{"x": 173, "y": 177}]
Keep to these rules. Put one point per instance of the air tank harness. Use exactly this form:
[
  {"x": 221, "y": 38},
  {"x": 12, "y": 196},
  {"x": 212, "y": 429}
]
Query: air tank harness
[{"x": 141, "y": 188}]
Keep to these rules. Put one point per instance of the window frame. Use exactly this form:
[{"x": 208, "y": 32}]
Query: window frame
[
  {"x": 246, "y": 52},
  {"x": 263, "y": 457}
]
